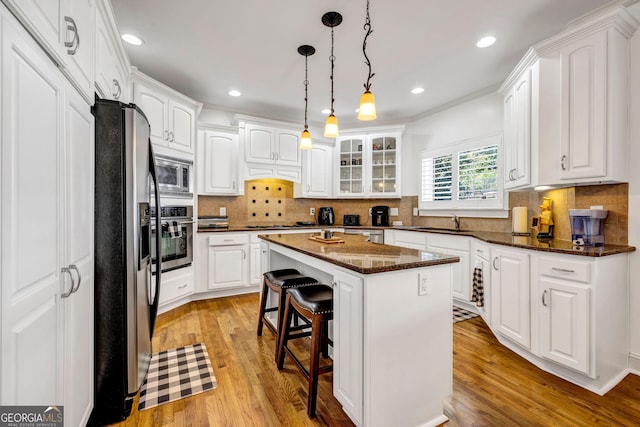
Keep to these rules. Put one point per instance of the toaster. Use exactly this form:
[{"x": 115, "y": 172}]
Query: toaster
[{"x": 351, "y": 220}]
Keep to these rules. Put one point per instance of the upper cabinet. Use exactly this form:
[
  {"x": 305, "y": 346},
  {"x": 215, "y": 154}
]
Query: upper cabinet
[
  {"x": 218, "y": 161},
  {"x": 368, "y": 165},
  {"x": 272, "y": 150},
  {"x": 112, "y": 64},
  {"x": 317, "y": 167},
  {"x": 566, "y": 106},
  {"x": 172, "y": 116},
  {"x": 66, "y": 30}
]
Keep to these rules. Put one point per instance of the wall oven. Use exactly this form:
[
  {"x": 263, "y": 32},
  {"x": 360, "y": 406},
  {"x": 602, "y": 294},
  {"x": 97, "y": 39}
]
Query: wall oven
[
  {"x": 174, "y": 176},
  {"x": 176, "y": 237}
]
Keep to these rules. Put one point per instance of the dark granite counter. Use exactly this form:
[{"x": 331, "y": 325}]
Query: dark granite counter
[{"x": 357, "y": 254}]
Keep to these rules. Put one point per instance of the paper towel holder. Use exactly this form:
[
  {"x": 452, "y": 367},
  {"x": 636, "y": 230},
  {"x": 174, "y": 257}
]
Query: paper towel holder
[{"x": 519, "y": 228}]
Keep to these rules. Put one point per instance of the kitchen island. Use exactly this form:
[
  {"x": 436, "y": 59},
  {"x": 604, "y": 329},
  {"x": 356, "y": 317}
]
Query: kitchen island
[{"x": 392, "y": 327}]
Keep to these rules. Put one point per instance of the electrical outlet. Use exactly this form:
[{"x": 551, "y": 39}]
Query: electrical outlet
[
  {"x": 223, "y": 211},
  {"x": 312, "y": 211},
  {"x": 415, "y": 211},
  {"x": 393, "y": 211},
  {"x": 423, "y": 285},
  {"x": 369, "y": 211}
]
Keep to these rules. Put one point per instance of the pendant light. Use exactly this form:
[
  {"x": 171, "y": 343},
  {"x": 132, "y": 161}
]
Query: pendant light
[
  {"x": 331, "y": 19},
  {"x": 367, "y": 109},
  {"x": 305, "y": 137}
]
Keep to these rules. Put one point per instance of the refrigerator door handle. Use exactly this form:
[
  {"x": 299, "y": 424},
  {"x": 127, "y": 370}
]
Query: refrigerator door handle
[{"x": 158, "y": 242}]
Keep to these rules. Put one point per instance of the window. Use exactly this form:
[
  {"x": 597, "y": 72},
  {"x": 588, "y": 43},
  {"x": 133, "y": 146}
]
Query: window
[{"x": 466, "y": 175}]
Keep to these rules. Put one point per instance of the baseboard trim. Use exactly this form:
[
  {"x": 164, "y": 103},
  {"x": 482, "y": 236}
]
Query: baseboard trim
[{"x": 634, "y": 363}]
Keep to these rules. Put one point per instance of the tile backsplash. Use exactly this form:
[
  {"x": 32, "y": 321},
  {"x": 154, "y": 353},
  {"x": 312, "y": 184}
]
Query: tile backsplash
[{"x": 271, "y": 202}]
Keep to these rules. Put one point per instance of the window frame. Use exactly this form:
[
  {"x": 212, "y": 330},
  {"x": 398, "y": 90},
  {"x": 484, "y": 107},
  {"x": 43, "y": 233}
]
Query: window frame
[{"x": 497, "y": 204}]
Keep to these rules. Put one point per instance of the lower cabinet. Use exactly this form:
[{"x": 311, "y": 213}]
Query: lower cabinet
[
  {"x": 511, "y": 297},
  {"x": 228, "y": 260},
  {"x": 176, "y": 284},
  {"x": 456, "y": 246},
  {"x": 255, "y": 258}
]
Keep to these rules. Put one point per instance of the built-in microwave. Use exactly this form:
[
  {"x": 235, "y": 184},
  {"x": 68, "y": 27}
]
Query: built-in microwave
[{"x": 174, "y": 176}]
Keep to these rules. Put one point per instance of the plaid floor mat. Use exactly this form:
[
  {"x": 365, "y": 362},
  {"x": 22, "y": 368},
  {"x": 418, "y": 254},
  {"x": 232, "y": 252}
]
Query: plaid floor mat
[
  {"x": 460, "y": 314},
  {"x": 177, "y": 373}
]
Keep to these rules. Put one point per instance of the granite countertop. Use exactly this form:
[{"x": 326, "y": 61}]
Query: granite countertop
[
  {"x": 357, "y": 254},
  {"x": 505, "y": 239}
]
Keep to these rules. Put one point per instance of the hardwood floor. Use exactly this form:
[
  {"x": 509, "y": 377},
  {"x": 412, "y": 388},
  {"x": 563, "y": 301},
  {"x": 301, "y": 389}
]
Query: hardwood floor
[{"x": 491, "y": 387}]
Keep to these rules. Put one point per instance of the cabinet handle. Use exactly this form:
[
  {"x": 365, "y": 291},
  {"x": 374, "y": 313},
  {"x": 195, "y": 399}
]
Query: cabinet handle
[
  {"x": 308, "y": 188},
  {"x": 74, "y": 268},
  {"x": 74, "y": 44},
  {"x": 563, "y": 159},
  {"x": 118, "y": 92},
  {"x": 334, "y": 284},
  {"x": 228, "y": 240},
  {"x": 277, "y": 156},
  {"x": 494, "y": 263},
  {"x": 480, "y": 251},
  {"x": 544, "y": 294},
  {"x": 166, "y": 135},
  {"x": 563, "y": 270},
  {"x": 273, "y": 155},
  {"x": 234, "y": 185},
  {"x": 70, "y": 291},
  {"x": 172, "y": 138},
  {"x": 244, "y": 254},
  {"x": 183, "y": 286}
]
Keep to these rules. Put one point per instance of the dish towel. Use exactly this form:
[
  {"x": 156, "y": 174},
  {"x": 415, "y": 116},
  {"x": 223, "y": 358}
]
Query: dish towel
[
  {"x": 478, "y": 287},
  {"x": 174, "y": 229}
]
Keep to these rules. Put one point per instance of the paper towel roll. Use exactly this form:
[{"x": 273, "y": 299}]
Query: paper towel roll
[{"x": 519, "y": 220}]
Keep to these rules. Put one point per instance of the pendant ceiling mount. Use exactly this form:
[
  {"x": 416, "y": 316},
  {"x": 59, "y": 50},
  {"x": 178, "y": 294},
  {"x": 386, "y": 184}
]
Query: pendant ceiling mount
[
  {"x": 332, "y": 19},
  {"x": 306, "y": 50}
]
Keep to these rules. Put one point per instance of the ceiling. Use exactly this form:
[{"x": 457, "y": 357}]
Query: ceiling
[{"x": 204, "y": 48}]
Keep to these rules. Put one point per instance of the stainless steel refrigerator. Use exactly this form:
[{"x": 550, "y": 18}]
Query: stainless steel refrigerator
[{"x": 126, "y": 293}]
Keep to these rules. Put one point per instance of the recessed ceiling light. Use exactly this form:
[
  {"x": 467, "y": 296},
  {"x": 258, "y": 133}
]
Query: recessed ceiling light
[
  {"x": 486, "y": 41},
  {"x": 325, "y": 111},
  {"x": 417, "y": 90},
  {"x": 131, "y": 39},
  {"x": 234, "y": 92}
]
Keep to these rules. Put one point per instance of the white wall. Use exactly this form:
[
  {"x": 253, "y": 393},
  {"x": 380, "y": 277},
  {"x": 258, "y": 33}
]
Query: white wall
[
  {"x": 477, "y": 117},
  {"x": 634, "y": 195}
]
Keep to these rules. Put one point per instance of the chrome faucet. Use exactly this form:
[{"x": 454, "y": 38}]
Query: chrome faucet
[{"x": 456, "y": 220}]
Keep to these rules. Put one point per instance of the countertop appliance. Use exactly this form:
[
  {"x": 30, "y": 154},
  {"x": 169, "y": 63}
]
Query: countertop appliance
[
  {"x": 325, "y": 216},
  {"x": 351, "y": 220},
  {"x": 176, "y": 237},
  {"x": 375, "y": 236},
  {"x": 207, "y": 222},
  {"x": 126, "y": 296},
  {"x": 174, "y": 176},
  {"x": 380, "y": 216}
]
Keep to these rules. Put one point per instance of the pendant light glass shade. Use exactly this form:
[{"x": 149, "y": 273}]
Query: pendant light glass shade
[
  {"x": 331, "y": 127},
  {"x": 305, "y": 140},
  {"x": 367, "y": 109}
]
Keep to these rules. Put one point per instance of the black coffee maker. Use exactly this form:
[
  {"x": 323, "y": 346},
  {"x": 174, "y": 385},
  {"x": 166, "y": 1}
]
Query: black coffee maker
[
  {"x": 380, "y": 216},
  {"x": 325, "y": 216}
]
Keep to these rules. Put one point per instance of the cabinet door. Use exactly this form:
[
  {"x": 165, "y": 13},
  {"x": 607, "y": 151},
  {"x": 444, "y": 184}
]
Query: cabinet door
[
  {"x": 255, "y": 278},
  {"x": 584, "y": 108},
  {"x": 220, "y": 163},
  {"x": 182, "y": 125},
  {"x": 287, "y": 148},
  {"x": 350, "y": 166},
  {"x": 517, "y": 128},
  {"x": 155, "y": 107},
  {"x": 483, "y": 264},
  {"x": 348, "y": 344},
  {"x": 317, "y": 171},
  {"x": 510, "y": 295},
  {"x": 383, "y": 163},
  {"x": 111, "y": 81},
  {"x": 32, "y": 225},
  {"x": 564, "y": 323},
  {"x": 259, "y": 141},
  {"x": 78, "y": 307},
  {"x": 227, "y": 266},
  {"x": 460, "y": 280},
  {"x": 80, "y": 29}
]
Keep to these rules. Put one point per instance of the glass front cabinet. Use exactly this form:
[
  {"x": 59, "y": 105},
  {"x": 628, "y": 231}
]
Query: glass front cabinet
[{"x": 369, "y": 165}]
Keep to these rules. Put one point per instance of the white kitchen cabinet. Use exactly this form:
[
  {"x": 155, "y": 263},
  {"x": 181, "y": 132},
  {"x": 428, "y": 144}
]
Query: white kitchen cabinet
[
  {"x": 112, "y": 64},
  {"x": 510, "y": 295},
  {"x": 317, "y": 172},
  {"x": 218, "y": 161},
  {"x": 255, "y": 258},
  {"x": 368, "y": 165},
  {"x": 66, "y": 30},
  {"x": 348, "y": 343},
  {"x": 172, "y": 116},
  {"x": 480, "y": 258},
  {"x": 406, "y": 239},
  {"x": 175, "y": 285},
  {"x": 517, "y": 132},
  {"x": 228, "y": 260},
  {"x": 271, "y": 150},
  {"x": 456, "y": 246},
  {"x": 47, "y": 274}
]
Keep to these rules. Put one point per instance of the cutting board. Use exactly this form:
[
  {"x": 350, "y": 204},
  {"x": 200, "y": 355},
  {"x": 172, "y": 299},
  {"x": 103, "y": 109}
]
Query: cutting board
[{"x": 331, "y": 240}]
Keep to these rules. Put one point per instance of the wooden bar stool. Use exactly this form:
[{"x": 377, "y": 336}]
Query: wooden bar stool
[
  {"x": 279, "y": 281},
  {"x": 314, "y": 303}
]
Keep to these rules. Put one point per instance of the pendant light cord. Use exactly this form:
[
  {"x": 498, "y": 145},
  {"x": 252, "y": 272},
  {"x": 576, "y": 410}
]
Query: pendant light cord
[
  {"x": 332, "y": 58},
  {"x": 367, "y": 28},
  {"x": 306, "y": 85}
]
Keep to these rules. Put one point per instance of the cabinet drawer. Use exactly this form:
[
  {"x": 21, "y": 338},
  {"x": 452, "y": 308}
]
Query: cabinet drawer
[
  {"x": 450, "y": 242},
  {"x": 175, "y": 288},
  {"x": 482, "y": 250},
  {"x": 578, "y": 271},
  {"x": 224, "y": 239}
]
